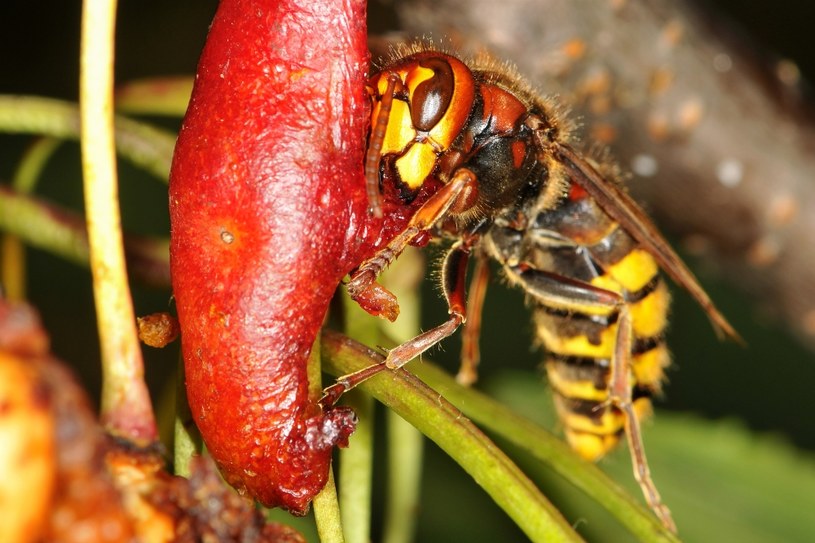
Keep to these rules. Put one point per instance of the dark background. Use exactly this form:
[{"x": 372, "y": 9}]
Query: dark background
[{"x": 768, "y": 385}]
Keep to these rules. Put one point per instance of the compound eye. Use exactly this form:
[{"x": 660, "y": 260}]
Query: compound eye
[{"x": 432, "y": 97}]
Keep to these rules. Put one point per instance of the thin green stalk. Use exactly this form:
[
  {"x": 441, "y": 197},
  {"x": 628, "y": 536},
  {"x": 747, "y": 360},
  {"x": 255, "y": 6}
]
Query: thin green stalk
[
  {"x": 550, "y": 450},
  {"x": 356, "y": 470},
  {"x": 327, "y": 513},
  {"x": 12, "y": 257},
  {"x": 186, "y": 439},
  {"x": 12, "y": 268},
  {"x": 32, "y": 164},
  {"x": 146, "y": 146},
  {"x": 326, "y": 505},
  {"x": 44, "y": 226},
  {"x": 405, "y": 443},
  {"x": 405, "y": 462},
  {"x": 356, "y": 461},
  {"x": 62, "y": 233},
  {"x": 458, "y": 437},
  {"x": 155, "y": 96},
  {"x": 126, "y": 409}
]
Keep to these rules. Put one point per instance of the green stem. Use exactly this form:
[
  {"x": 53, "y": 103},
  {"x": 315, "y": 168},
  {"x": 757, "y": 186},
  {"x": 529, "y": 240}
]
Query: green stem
[
  {"x": 62, "y": 233},
  {"x": 444, "y": 424},
  {"x": 326, "y": 505},
  {"x": 550, "y": 450},
  {"x": 327, "y": 513},
  {"x": 405, "y": 443},
  {"x": 12, "y": 257},
  {"x": 186, "y": 439},
  {"x": 33, "y": 162},
  {"x": 155, "y": 96},
  {"x": 146, "y": 146},
  {"x": 44, "y": 226},
  {"x": 405, "y": 462},
  {"x": 356, "y": 470},
  {"x": 356, "y": 461}
]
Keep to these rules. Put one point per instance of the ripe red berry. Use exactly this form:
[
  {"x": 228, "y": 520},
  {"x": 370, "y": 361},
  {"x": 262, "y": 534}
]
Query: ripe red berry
[{"x": 269, "y": 212}]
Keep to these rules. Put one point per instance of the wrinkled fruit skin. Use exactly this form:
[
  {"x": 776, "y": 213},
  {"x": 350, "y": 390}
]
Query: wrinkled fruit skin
[{"x": 268, "y": 213}]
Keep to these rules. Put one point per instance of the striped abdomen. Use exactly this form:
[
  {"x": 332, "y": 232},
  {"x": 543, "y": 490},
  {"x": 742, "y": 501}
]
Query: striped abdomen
[{"x": 576, "y": 243}]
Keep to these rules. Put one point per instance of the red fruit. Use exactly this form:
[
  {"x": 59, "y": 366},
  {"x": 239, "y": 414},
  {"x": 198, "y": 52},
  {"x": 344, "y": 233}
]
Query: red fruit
[{"x": 269, "y": 212}]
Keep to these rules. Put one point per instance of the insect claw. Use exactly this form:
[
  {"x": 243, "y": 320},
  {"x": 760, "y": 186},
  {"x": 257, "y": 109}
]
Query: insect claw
[
  {"x": 345, "y": 383},
  {"x": 331, "y": 394}
]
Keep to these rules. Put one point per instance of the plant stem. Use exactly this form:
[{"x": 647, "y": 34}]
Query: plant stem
[
  {"x": 155, "y": 96},
  {"x": 356, "y": 470},
  {"x": 550, "y": 450},
  {"x": 356, "y": 461},
  {"x": 458, "y": 437},
  {"x": 405, "y": 462},
  {"x": 327, "y": 513},
  {"x": 326, "y": 505},
  {"x": 125, "y": 408},
  {"x": 186, "y": 439},
  {"x": 405, "y": 443},
  {"x": 12, "y": 258},
  {"x": 146, "y": 146},
  {"x": 62, "y": 233}
]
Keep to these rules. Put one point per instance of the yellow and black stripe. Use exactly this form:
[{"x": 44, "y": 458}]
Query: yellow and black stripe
[{"x": 580, "y": 340}]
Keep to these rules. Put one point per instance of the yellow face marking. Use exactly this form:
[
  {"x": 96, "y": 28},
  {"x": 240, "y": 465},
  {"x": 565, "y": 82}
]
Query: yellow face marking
[
  {"x": 416, "y": 164},
  {"x": 400, "y": 131},
  {"x": 415, "y": 76},
  {"x": 420, "y": 150}
]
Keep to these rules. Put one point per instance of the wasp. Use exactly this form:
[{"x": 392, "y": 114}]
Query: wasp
[{"x": 508, "y": 184}]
